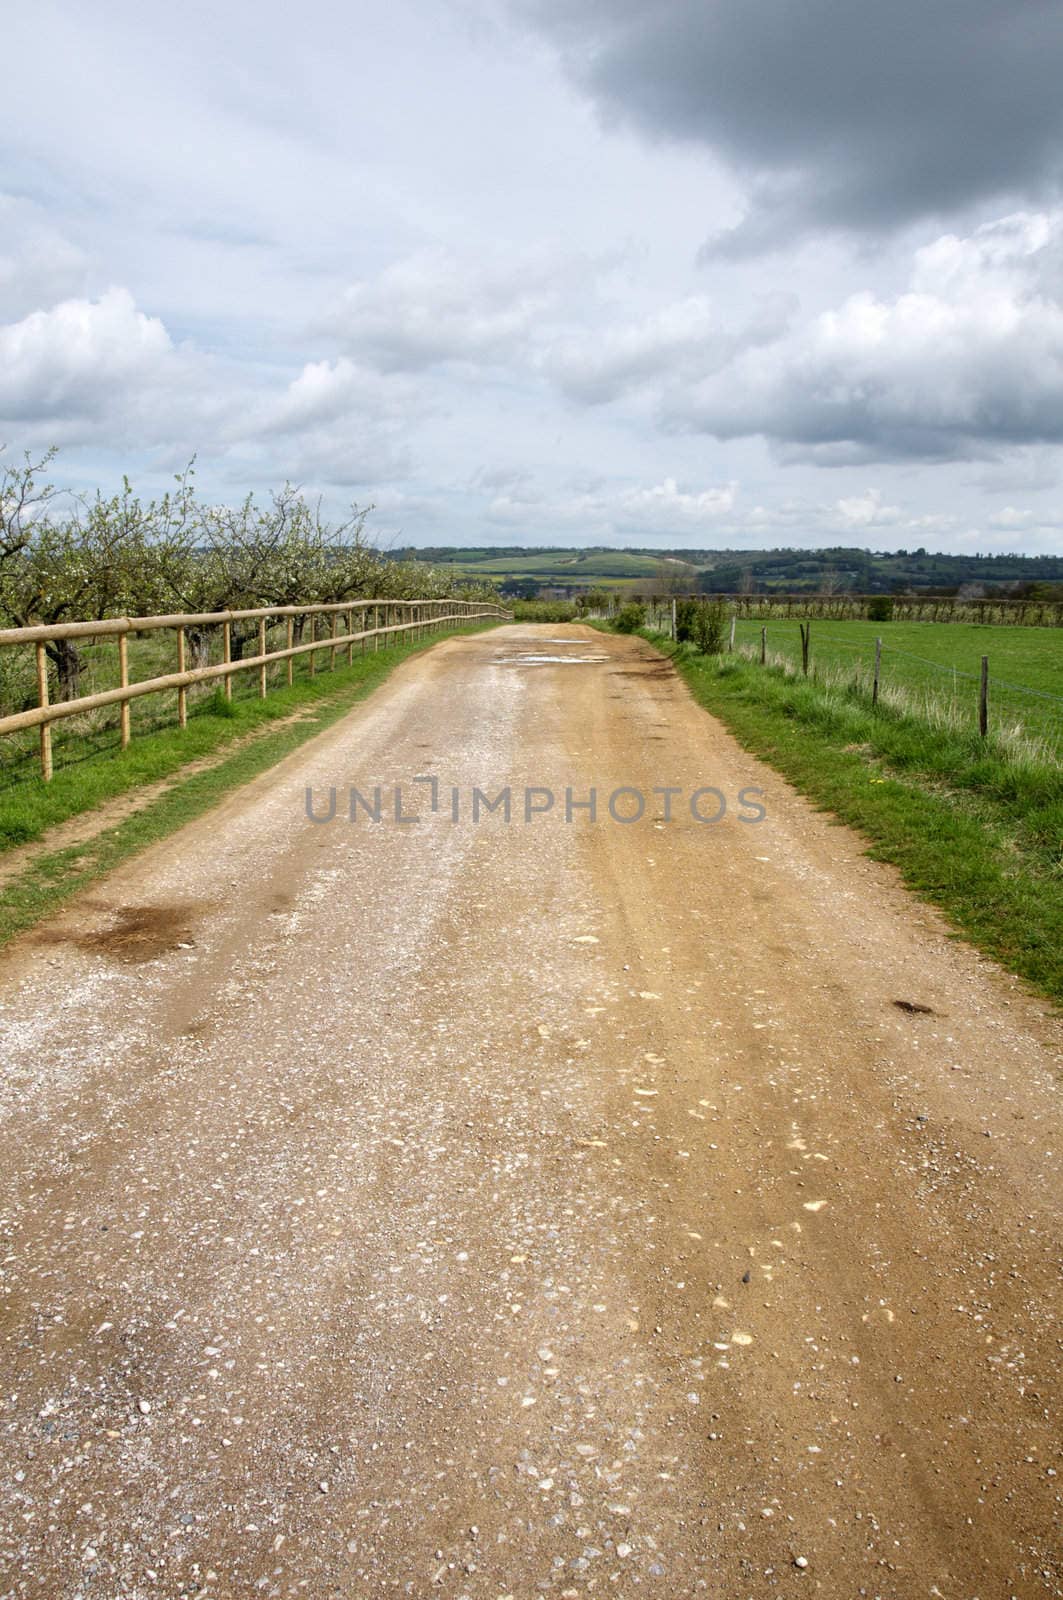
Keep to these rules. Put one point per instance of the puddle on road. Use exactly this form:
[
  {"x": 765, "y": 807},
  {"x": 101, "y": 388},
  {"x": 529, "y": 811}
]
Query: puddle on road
[{"x": 545, "y": 660}]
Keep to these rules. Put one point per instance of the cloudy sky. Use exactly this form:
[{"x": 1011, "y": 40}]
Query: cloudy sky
[{"x": 693, "y": 272}]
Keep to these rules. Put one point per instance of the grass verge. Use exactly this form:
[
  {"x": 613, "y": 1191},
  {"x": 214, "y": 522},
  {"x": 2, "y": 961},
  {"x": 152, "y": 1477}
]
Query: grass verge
[
  {"x": 53, "y": 877},
  {"x": 972, "y": 829}
]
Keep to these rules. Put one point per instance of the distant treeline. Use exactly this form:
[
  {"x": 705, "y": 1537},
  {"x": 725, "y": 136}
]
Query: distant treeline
[
  {"x": 526, "y": 570},
  {"x": 869, "y": 572}
]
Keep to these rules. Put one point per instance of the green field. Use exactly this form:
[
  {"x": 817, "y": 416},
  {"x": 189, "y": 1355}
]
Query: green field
[
  {"x": 561, "y": 569},
  {"x": 838, "y": 570},
  {"x": 937, "y": 666}
]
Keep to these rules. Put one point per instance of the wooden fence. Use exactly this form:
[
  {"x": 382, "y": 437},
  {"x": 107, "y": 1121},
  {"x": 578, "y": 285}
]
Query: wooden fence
[{"x": 389, "y": 619}]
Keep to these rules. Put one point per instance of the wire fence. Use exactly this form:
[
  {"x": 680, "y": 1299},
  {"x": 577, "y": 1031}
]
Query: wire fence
[
  {"x": 942, "y": 693},
  {"x": 1021, "y": 717}
]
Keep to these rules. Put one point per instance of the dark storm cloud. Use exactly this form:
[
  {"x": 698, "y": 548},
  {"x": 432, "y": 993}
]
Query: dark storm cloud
[{"x": 836, "y": 113}]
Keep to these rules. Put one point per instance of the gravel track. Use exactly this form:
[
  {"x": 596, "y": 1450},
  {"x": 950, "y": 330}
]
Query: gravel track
[{"x": 524, "y": 1209}]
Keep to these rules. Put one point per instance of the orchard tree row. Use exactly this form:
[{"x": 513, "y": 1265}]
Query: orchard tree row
[{"x": 68, "y": 557}]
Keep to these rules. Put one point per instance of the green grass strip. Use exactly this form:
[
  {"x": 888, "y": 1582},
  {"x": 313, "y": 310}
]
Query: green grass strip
[
  {"x": 977, "y": 834},
  {"x": 50, "y": 879}
]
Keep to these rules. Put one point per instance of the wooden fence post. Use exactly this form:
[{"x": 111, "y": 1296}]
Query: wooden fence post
[
  {"x": 123, "y": 679},
  {"x": 182, "y": 693},
  {"x": 731, "y": 638},
  {"x": 227, "y": 655},
  {"x": 412, "y": 619},
  {"x": 763, "y": 647},
  {"x": 983, "y": 699},
  {"x": 806, "y": 639},
  {"x": 42, "y": 701},
  {"x": 878, "y": 664}
]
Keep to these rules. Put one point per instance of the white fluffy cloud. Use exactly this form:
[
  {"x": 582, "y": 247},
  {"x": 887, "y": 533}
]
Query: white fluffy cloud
[
  {"x": 61, "y": 363},
  {"x": 38, "y": 264},
  {"x": 653, "y": 511},
  {"x": 867, "y": 511},
  {"x": 90, "y": 369},
  {"x": 339, "y": 422},
  {"x": 684, "y": 340},
  {"x": 966, "y": 362},
  {"x": 665, "y": 505},
  {"x": 433, "y": 308}
]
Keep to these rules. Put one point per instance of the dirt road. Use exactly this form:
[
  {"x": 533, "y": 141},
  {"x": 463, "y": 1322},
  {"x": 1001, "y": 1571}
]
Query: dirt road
[{"x": 524, "y": 1209}]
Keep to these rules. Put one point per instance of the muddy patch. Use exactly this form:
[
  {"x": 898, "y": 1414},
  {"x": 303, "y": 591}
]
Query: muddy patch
[{"x": 131, "y": 934}]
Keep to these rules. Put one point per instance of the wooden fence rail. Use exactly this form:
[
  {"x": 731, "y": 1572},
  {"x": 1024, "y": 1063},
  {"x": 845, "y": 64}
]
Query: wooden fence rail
[{"x": 400, "y": 617}]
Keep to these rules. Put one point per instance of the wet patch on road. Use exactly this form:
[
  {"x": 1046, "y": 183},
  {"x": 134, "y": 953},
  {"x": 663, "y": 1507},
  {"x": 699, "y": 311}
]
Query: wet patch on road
[
  {"x": 547, "y": 660},
  {"x": 132, "y": 934}
]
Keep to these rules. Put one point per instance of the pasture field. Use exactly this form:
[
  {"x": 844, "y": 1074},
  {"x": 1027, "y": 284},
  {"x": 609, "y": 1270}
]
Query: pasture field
[
  {"x": 936, "y": 665},
  {"x": 570, "y": 569}
]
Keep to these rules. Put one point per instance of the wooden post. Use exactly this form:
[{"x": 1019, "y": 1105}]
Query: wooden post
[
  {"x": 123, "y": 679},
  {"x": 731, "y": 639},
  {"x": 42, "y": 700},
  {"x": 878, "y": 664},
  {"x": 673, "y": 619},
  {"x": 350, "y": 641},
  {"x": 182, "y": 694},
  {"x": 262, "y": 651},
  {"x": 227, "y": 655},
  {"x": 313, "y": 636},
  {"x": 806, "y": 639},
  {"x": 763, "y": 647},
  {"x": 335, "y": 632},
  {"x": 983, "y": 699},
  {"x": 291, "y": 645}
]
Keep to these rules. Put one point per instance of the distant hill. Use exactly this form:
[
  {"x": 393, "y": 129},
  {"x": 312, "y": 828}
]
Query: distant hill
[{"x": 531, "y": 570}]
